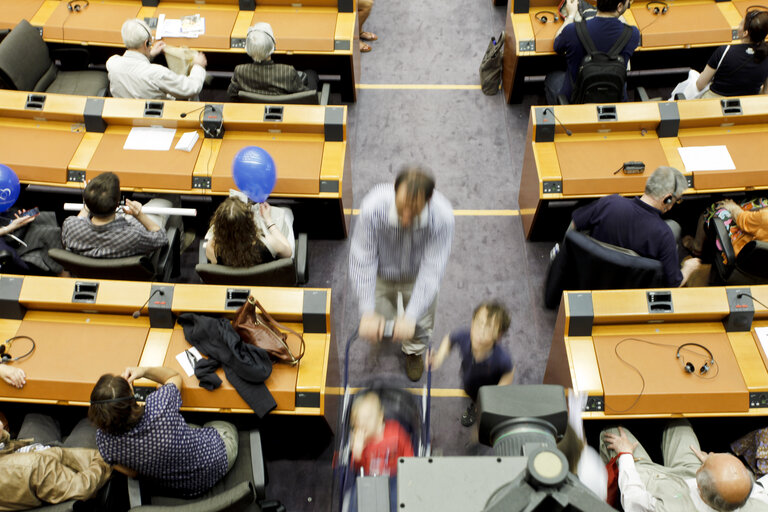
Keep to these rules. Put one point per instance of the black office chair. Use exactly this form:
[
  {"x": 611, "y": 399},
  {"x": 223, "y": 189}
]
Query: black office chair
[
  {"x": 25, "y": 65},
  {"x": 160, "y": 265},
  {"x": 310, "y": 97},
  {"x": 749, "y": 267},
  {"x": 584, "y": 263},
  {"x": 283, "y": 272},
  {"x": 241, "y": 489}
]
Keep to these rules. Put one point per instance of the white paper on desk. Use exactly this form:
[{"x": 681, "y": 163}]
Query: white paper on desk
[
  {"x": 762, "y": 336},
  {"x": 183, "y": 359},
  {"x": 154, "y": 138},
  {"x": 188, "y": 26},
  {"x": 706, "y": 158}
]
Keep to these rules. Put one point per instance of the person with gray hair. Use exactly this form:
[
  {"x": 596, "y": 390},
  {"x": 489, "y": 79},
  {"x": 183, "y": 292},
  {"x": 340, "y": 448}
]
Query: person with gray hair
[
  {"x": 636, "y": 223},
  {"x": 689, "y": 480},
  {"x": 132, "y": 75},
  {"x": 264, "y": 76}
]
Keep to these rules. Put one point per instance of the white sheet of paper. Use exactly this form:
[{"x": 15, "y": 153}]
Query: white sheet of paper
[
  {"x": 706, "y": 158},
  {"x": 762, "y": 335},
  {"x": 172, "y": 27},
  {"x": 154, "y": 138},
  {"x": 183, "y": 360}
]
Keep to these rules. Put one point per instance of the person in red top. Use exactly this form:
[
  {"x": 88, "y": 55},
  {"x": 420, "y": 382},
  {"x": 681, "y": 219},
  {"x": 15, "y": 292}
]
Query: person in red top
[{"x": 376, "y": 443}]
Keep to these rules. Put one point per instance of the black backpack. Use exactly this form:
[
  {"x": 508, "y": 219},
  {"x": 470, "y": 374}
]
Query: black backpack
[{"x": 601, "y": 75}]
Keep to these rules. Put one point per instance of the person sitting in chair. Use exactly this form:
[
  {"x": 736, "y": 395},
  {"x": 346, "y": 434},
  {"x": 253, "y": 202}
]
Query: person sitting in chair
[
  {"x": 99, "y": 231},
  {"x": 263, "y": 76},
  {"x": 132, "y": 75},
  {"x": 243, "y": 237},
  {"x": 744, "y": 223}
]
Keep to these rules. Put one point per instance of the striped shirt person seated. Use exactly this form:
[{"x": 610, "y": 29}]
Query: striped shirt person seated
[{"x": 400, "y": 247}]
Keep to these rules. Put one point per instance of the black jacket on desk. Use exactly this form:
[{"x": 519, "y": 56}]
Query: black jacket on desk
[{"x": 246, "y": 366}]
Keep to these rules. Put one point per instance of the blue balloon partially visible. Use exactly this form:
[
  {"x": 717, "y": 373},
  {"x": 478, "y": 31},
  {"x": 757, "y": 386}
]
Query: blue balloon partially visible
[
  {"x": 9, "y": 187},
  {"x": 254, "y": 173}
]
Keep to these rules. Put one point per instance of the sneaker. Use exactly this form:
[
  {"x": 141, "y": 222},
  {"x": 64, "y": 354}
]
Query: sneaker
[
  {"x": 469, "y": 416},
  {"x": 414, "y": 366}
]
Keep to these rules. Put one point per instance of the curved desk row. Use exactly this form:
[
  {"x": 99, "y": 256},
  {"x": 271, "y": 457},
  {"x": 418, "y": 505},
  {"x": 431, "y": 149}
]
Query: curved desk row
[
  {"x": 666, "y": 39},
  {"x": 318, "y": 34},
  {"x": 62, "y": 141},
  {"x": 84, "y": 329},
  {"x": 561, "y": 169},
  {"x": 621, "y": 347}
]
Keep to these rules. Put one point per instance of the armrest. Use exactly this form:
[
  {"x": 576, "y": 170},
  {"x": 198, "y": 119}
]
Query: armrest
[
  {"x": 725, "y": 257},
  {"x": 258, "y": 470},
  {"x": 134, "y": 492},
  {"x": 562, "y": 100},
  {"x": 301, "y": 259},
  {"x": 201, "y": 257},
  {"x": 71, "y": 59},
  {"x": 324, "y": 94},
  {"x": 642, "y": 94},
  {"x": 168, "y": 262}
]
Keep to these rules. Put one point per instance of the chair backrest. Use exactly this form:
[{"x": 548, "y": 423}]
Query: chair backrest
[
  {"x": 752, "y": 260},
  {"x": 133, "y": 268},
  {"x": 586, "y": 264},
  {"x": 304, "y": 98},
  {"x": 280, "y": 272},
  {"x": 25, "y": 64}
]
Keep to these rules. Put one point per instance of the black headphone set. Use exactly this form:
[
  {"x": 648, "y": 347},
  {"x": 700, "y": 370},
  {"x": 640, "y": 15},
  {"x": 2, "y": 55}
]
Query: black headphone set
[
  {"x": 658, "y": 8},
  {"x": 688, "y": 367},
  {"x": 5, "y": 355},
  {"x": 77, "y": 5},
  {"x": 542, "y": 17},
  {"x": 673, "y": 197},
  {"x": 752, "y": 11},
  {"x": 254, "y": 29}
]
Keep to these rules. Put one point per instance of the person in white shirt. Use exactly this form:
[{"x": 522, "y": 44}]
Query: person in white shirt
[
  {"x": 132, "y": 75},
  {"x": 690, "y": 480}
]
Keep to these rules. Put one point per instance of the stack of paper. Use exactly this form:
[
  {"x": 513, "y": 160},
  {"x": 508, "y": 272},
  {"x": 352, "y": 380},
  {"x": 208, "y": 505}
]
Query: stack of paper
[{"x": 189, "y": 26}]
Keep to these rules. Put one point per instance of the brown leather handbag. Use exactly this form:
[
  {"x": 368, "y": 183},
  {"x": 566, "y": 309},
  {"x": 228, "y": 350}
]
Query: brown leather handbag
[{"x": 260, "y": 329}]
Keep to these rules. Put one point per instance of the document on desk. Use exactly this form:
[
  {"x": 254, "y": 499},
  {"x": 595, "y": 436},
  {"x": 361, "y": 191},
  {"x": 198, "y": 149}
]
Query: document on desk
[
  {"x": 706, "y": 158},
  {"x": 188, "y": 359},
  {"x": 189, "y": 26},
  {"x": 153, "y": 138},
  {"x": 762, "y": 335}
]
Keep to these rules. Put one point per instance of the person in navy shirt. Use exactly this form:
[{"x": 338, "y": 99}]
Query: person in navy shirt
[
  {"x": 153, "y": 441},
  {"x": 604, "y": 29},
  {"x": 636, "y": 223},
  {"x": 484, "y": 361}
]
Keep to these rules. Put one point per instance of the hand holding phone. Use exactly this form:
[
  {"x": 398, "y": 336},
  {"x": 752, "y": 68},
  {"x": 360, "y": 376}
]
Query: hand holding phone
[{"x": 32, "y": 212}]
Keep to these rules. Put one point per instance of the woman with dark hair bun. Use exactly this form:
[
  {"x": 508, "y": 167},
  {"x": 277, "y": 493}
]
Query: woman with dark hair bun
[{"x": 739, "y": 69}]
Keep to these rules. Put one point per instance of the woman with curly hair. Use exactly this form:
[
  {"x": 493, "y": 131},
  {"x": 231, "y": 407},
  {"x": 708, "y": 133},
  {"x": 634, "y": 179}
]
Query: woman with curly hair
[{"x": 240, "y": 237}]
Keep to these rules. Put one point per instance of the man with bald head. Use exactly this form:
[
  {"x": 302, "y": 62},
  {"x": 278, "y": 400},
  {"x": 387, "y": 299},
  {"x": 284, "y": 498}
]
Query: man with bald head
[{"x": 689, "y": 480}]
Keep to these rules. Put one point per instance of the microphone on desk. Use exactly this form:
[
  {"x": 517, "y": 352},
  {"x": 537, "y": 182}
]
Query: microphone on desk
[
  {"x": 137, "y": 313},
  {"x": 185, "y": 114},
  {"x": 567, "y": 131}
]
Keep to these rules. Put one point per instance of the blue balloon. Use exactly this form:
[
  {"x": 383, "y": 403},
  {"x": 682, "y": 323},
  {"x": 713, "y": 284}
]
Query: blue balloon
[
  {"x": 9, "y": 187},
  {"x": 254, "y": 173}
]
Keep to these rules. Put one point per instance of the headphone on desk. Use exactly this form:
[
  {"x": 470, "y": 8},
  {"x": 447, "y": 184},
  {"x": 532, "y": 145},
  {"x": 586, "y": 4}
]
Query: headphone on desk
[
  {"x": 77, "y": 5},
  {"x": 688, "y": 367},
  {"x": 658, "y": 8},
  {"x": 5, "y": 355},
  {"x": 541, "y": 16}
]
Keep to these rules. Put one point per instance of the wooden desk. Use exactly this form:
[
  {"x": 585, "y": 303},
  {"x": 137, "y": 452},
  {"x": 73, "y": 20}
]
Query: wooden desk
[
  {"x": 84, "y": 137},
  {"x": 692, "y": 25},
  {"x": 318, "y": 34},
  {"x": 560, "y": 170},
  {"x": 77, "y": 342},
  {"x": 643, "y": 377}
]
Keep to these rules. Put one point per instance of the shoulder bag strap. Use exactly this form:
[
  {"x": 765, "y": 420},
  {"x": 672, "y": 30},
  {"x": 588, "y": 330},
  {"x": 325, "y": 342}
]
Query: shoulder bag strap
[
  {"x": 621, "y": 42},
  {"x": 252, "y": 300},
  {"x": 584, "y": 37}
]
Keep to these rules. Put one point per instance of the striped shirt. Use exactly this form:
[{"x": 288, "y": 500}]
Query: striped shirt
[
  {"x": 125, "y": 236},
  {"x": 382, "y": 247},
  {"x": 266, "y": 78}
]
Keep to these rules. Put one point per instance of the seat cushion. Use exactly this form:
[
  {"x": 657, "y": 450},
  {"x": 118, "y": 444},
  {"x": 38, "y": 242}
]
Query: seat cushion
[
  {"x": 86, "y": 83},
  {"x": 24, "y": 57}
]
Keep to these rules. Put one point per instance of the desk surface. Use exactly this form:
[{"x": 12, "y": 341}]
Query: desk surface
[
  {"x": 11, "y": 11},
  {"x": 78, "y": 342},
  {"x": 594, "y": 353},
  {"x": 39, "y": 152}
]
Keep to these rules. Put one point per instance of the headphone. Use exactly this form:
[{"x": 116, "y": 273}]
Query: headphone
[
  {"x": 112, "y": 400},
  {"x": 688, "y": 367},
  {"x": 752, "y": 12},
  {"x": 6, "y": 357},
  {"x": 72, "y": 6},
  {"x": 541, "y": 16},
  {"x": 254, "y": 29},
  {"x": 658, "y": 8},
  {"x": 672, "y": 197}
]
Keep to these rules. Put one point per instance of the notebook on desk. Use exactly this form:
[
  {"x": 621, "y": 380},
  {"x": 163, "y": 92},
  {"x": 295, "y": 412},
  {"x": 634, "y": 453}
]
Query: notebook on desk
[{"x": 643, "y": 375}]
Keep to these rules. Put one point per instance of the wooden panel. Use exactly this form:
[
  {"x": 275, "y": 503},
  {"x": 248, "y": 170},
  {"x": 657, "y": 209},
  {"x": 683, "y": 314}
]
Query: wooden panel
[
  {"x": 583, "y": 362},
  {"x": 544, "y": 33},
  {"x": 39, "y": 292},
  {"x": 37, "y": 153},
  {"x": 297, "y": 160},
  {"x": 703, "y": 23},
  {"x": 282, "y": 303},
  {"x": 658, "y": 383},
  {"x": 219, "y": 21},
  {"x": 100, "y": 22},
  {"x": 170, "y": 169},
  {"x": 751, "y": 166},
  {"x": 12, "y": 11},
  {"x": 299, "y": 28}
]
